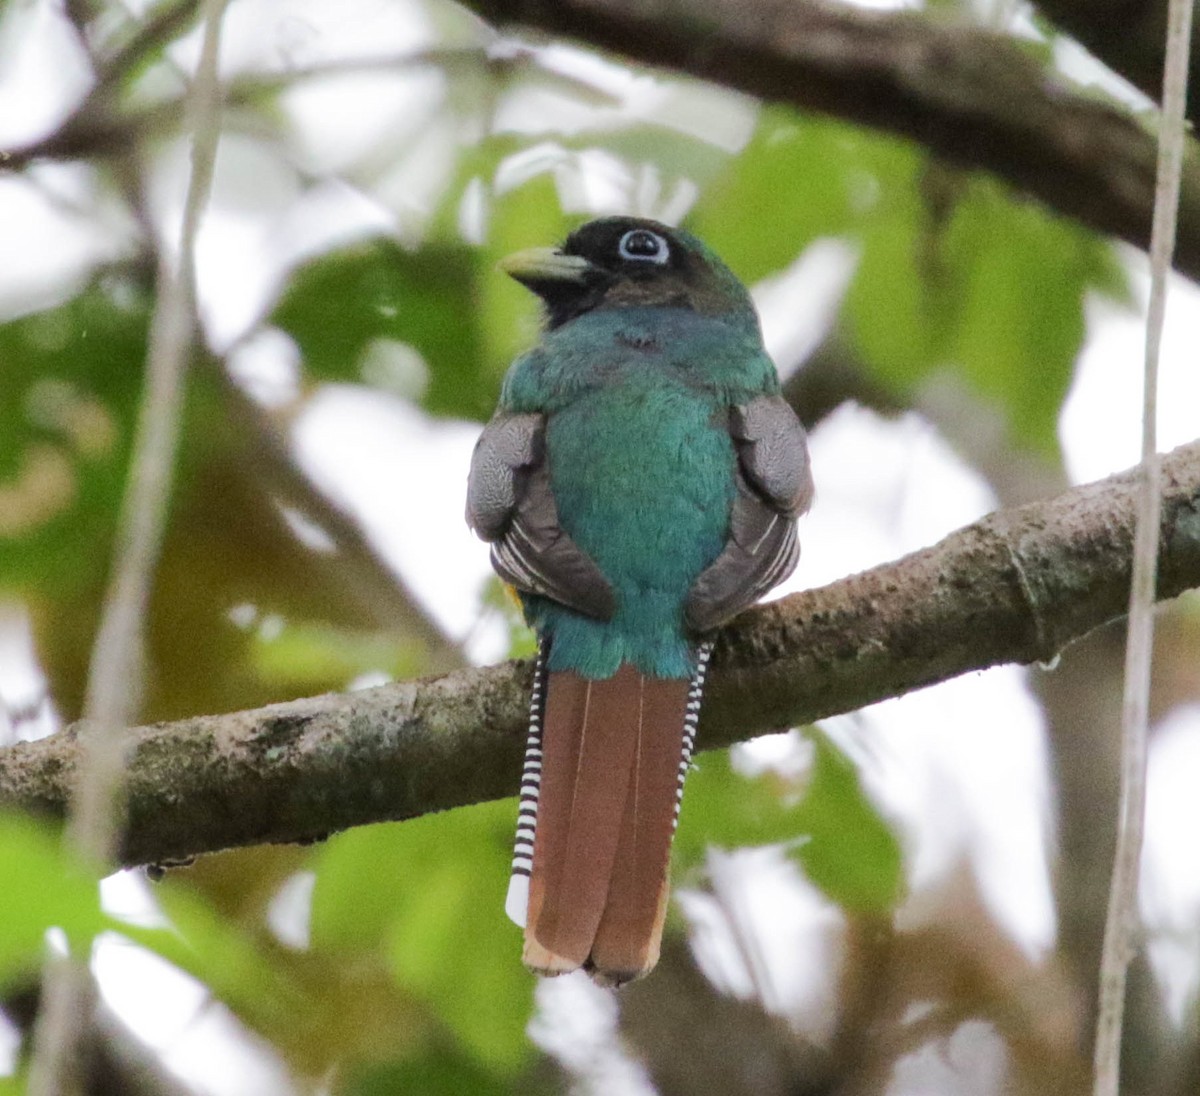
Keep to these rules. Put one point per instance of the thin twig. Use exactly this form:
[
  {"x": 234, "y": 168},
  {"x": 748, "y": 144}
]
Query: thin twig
[
  {"x": 1121, "y": 920},
  {"x": 165, "y": 22},
  {"x": 115, "y": 671}
]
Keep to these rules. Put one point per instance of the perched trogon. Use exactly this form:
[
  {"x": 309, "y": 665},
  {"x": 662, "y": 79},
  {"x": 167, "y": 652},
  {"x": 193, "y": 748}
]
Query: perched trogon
[{"x": 639, "y": 485}]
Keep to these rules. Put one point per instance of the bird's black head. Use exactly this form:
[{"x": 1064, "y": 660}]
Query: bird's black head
[{"x": 630, "y": 262}]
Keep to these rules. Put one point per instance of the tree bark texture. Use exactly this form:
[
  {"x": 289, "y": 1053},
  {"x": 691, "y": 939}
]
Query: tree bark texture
[{"x": 1016, "y": 586}]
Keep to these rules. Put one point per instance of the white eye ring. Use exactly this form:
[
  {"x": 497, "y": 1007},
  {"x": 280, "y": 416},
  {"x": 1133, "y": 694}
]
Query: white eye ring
[{"x": 640, "y": 245}]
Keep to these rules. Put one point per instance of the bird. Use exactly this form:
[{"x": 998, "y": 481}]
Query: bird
[{"x": 639, "y": 485}]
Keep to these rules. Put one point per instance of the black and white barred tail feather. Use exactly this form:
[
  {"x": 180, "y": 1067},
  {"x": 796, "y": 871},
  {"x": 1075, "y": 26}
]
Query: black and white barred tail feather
[
  {"x": 692, "y": 719},
  {"x": 516, "y": 904}
]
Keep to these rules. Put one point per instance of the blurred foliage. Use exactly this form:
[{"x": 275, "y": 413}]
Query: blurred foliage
[
  {"x": 39, "y": 888},
  {"x": 433, "y": 1075},
  {"x": 955, "y": 275},
  {"x": 411, "y": 981},
  {"x": 339, "y": 306},
  {"x": 305, "y": 652},
  {"x": 69, "y": 393},
  {"x": 436, "y": 920},
  {"x": 498, "y": 598},
  {"x": 825, "y": 821}
]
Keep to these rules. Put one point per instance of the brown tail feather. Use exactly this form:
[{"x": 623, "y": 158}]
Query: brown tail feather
[
  {"x": 586, "y": 754},
  {"x": 612, "y": 753},
  {"x": 630, "y": 931}
]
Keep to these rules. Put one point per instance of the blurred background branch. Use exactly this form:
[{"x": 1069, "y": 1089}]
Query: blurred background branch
[{"x": 972, "y": 97}]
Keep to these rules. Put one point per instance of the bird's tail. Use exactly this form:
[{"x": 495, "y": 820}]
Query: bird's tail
[{"x": 604, "y": 770}]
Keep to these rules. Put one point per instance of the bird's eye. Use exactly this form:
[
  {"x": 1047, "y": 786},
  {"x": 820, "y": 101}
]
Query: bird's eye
[{"x": 644, "y": 246}]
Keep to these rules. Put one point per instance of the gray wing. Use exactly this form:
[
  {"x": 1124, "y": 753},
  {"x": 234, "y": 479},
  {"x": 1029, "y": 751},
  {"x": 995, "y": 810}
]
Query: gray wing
[
  {"x": 510, "y": 504},
  {"x": 774, "y": 487}
]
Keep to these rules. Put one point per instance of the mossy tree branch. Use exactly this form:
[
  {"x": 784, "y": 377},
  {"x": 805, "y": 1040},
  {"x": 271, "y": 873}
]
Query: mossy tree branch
[{"x": 1016, "y": 586}]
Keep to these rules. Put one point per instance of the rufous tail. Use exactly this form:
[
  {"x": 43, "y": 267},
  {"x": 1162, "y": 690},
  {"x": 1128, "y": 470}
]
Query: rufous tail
[{"x": 604, "y": 770}]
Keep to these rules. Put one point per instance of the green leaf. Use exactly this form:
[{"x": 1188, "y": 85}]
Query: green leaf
[
  {"x": 722, "y": 807},
  {"x": 440, "y": 324},
  {"x": 359, "y": 308},
  {"x": 429, "y": 894},
  {"x": 526, "y": 216},
  {"x": 1025, "y": 274},
  {"x": 498, "y": 598},
  {"x": 302, "y": 653},
  {"x": 800, "y": 178},
  {"x": 224, "y": 956},
  {"x": 850, "y": 852},
  {"x": 831, "y": 828},
  {"x": 41, "y": 887},
  {"x": 70, "y": 382},
  {"x": 315, "y": 1008},
  {"x": 441, "y": 1072},
  {"x": 957, "y": 276},
  {"x": 890, "y": 310}
]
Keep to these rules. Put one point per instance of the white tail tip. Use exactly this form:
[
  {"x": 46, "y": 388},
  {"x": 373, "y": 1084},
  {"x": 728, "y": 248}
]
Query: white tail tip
[{"x": 516, "y": 905}]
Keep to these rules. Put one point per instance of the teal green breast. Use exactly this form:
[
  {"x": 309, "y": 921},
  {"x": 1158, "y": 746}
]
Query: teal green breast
[{"x": 642, "y": 468}]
